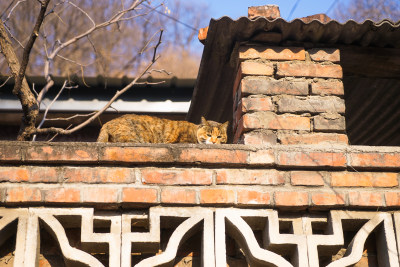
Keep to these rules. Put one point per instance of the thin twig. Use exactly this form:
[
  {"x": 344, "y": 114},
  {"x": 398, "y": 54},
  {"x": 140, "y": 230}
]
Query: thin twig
[
  {"x": 71, "y": 117},
  {"x": 48, "y": 108}
]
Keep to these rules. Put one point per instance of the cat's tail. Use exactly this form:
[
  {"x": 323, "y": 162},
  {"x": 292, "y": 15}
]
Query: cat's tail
[{"x": 103, "y": 135}]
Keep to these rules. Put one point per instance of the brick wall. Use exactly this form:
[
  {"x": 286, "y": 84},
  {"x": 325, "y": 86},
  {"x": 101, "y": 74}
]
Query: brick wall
[
  {"x": 281, "y": 176},
  {"x": 289, "y": 95}
]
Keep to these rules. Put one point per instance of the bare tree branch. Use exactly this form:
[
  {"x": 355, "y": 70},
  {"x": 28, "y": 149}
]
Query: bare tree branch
[{"x": 98, "y": 113}]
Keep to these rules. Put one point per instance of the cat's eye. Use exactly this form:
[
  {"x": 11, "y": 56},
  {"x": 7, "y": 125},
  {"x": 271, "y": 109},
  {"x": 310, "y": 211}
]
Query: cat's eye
[
  {"x": 209, "y": 135},
  {"x": 219, "y": 136}
]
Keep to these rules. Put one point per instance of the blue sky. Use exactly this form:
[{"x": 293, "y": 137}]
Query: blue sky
[{"x": 238, "y": 8}]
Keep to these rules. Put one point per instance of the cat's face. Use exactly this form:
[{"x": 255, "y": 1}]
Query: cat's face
[{"x": 211, "y": 132}]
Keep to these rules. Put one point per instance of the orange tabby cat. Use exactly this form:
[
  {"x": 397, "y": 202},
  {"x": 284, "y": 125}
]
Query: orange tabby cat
[{"x": 147, "y": 129}]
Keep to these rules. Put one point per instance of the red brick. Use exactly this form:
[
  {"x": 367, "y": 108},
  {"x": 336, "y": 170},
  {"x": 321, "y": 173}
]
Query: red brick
[
  {"x": 257, "y": 86},
  {"x": 213, "y": 156},
  {"x": 307, "y": 178},
  {"x": 257, "y": 104},
  {"x": 245, "y": 176},
  {"x": 269, "y": 120},
  {"x": 237, "y": 115},
  {"x": 312, "y": 104},
  {"x": 371, "y": 160},
  {"x": 328, "y": 199},
  {"x": 365, "y": 199},
  {"x": 237, "y": 137},
  {"x": 257, "y": 68},
  {"x": 292, "y": 158},
  {"x": 308, "y": 70},
  {"x": 325, "y": 54},
  {"x": 10, "y": 151},
  {"x": 217, "y": 196},
  {"x": 329, "y": 87},
  {"x": 178, "y": 196},
  {"x": 263, "y": 137},
  {"x": 63, "y": 195},
  {"x": 272, "y": 53},
  {"x": 62, "y": 153},
  {"x": 253, "y": 198},
  {"x": 291, "y": 199},
  {"x": 265, "y": 157},
  {"x": 98, "y": 175},
  {"x": 364, "y": 179},
  {"x": 392, "y": 199},
  {"x": 177, "y": 176},
  {"x": 44, "y": 174},
  {"x": 14, "y": 174},
  {"x": 23, "y": 194},
  {"x": 139, "y": 195},
  {"x": 100, "y": 194},
  {"x": 237, "y": 81},
  {"x": 313, "y": 138},
  {"x": 136, "y": 154}
]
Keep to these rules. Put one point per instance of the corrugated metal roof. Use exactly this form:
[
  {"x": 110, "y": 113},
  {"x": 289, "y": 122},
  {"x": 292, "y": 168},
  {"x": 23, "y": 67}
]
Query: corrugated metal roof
[
  {"x": 212, "y": 96},
  {"x": 166, "y": 96}
]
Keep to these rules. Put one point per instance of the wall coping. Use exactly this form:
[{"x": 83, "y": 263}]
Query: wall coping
[{"x": 285, "y": 156}]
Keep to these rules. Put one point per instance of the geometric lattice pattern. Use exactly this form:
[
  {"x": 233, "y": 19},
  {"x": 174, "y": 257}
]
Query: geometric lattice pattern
[{"x": 263, "y": 237}]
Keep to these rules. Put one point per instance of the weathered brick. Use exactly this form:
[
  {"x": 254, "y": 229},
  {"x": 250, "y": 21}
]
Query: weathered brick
[
  {"x": 62, "y": 153},
  {"x": 291, "y": 199},
  {"x": 364, "y": 179},
  {"x": 257, "y": 68},
  {"x": 312, "y": 70},
  {"x": 136, "y": 154},
  {"x": 177, "y": 176},
  {"x": 273, "y": 87},
  {"x": 100, "y": 194},
  {"x": 307, "y": 178},
  {"x": 253, "y": 198},
  {"x": 312, "y": 104},
  {"x": 325, "y": 54},
  {"x": 270, "y": 120},
  {"x": 10, "y": 152},
  {"x": 217, "y": 196},
  {"x": 265, "y": 157},
  {"x": 313, "y": 138},
  {"x": 311, "y": 159},
  {"x": 62, "y": 195},
  {"x": 374, "y": 160},
  {"x": 139, "y": 195},
  {"x": 14, "y": 174},
  {"x": 262, "y": 137},
  {"x": 44, "y": 175},
  {"x": 213, "y": 156},
  {"x": 267, "y": 11},
  {"x": 257, "y": 104},
  {"x": 23, "y": 194},
  {"x": 329, "y": 123},
  {"x": 178, "y": 196},
  {"x": 392, "y": 199},
  {"x": 237, "y": 137},
  {"x": 245, "y": 176},
  {"x": 272, "y": 53},
  {"x": 365, "y": 199},
  {"x": 327, "y": 87},
  {"x": 98, "y": 175},
  {"x": 328, "y": 199}
]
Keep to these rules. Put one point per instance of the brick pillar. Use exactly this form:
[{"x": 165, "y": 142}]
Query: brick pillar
[{"x": 289, "y": 95}]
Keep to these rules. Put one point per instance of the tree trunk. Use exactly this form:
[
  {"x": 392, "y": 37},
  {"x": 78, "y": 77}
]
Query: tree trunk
[{"x": 28, "y": 101}]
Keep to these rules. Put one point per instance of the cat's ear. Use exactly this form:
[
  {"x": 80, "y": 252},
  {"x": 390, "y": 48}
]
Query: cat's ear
[
  {"x": 203, "y": 121},
  {"x": 225, "y": 125}
]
